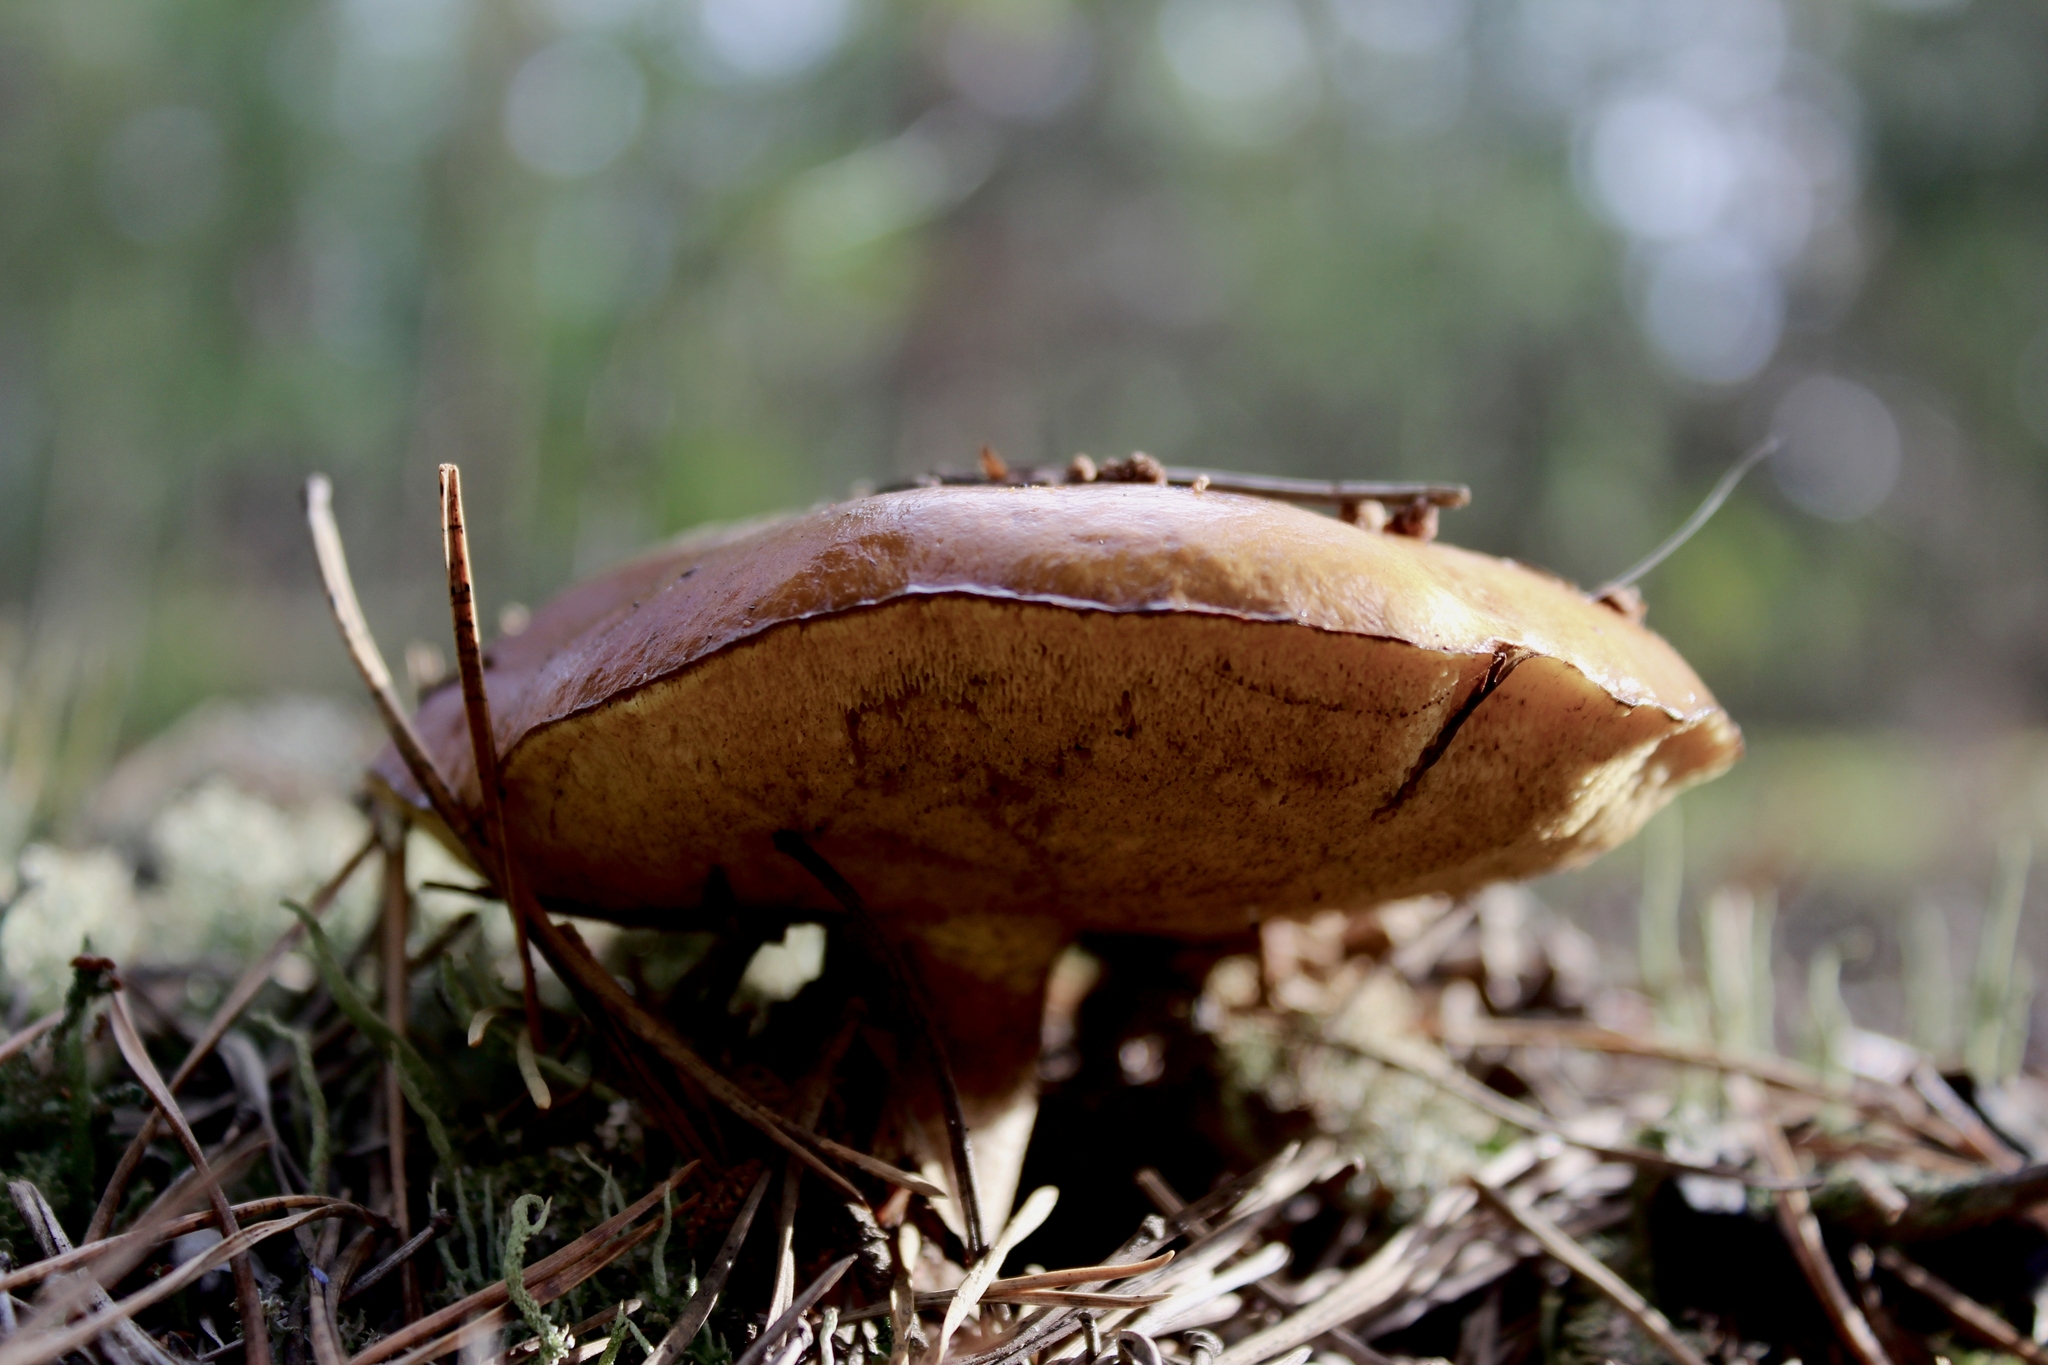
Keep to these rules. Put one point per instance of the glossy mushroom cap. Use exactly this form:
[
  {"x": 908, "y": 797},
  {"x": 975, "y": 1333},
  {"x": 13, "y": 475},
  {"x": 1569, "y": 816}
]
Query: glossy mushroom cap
[{"x": 1010, "y": 714}]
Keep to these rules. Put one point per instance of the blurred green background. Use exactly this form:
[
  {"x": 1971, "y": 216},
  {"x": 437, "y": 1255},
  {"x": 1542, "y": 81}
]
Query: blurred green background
[{"x": 637, "y": 264}]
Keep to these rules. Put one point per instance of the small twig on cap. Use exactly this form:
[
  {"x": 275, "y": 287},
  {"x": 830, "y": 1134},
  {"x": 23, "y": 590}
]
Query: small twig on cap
[
  {"x": 476, "y": 706},
  {"x": 1567, "y": 1252},
  {"x": 910, "y": 1004}
]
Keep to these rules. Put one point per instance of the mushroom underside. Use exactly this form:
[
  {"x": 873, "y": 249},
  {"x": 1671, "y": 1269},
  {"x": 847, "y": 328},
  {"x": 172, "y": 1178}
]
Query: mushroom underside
[{"x": 998, "y": 776}]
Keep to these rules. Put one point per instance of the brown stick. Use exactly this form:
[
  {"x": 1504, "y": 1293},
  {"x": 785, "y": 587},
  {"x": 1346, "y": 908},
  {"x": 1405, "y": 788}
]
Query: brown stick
[
  {"x": 362, "y": 649},
  {"x": 1972, "y": 1316},
  {"x": 397, "y": 993},
  {"x": 483, "y": 743},
  {"x": 1802, "y": 1229},
  {"x": 1567, "y": 1252},
  {"x": 248, "y": 1301},
  {"x": 613, "y": 1011},
  {"x": 496, "y": 1296},
  {"x": 224, "y": 1016}
]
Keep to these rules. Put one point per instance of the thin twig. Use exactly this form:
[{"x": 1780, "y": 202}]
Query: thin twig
[
  {"x": 362, "y": 649},
  {"x": 1972, "y": 1316},
  {"x": 1894, "y": 1101},
  {"x": 615, "y": 1013},
  {"x": 1691, "y": 525},
  {"x": 248, "y": 1299},
  {"x": 1802, "y": 1229},
  {"x": 544, "y": 1290},
  {"x": 229, "y": 1010},
  {"x": 1484, "y": 1097},
  {"x": 483, "y": 743},
  {"x": 698, "y": 1310},
  {"x": 392, "y": 923},
  {"x": 1582, "y": 1263},
  {"x": 779, "y": 1328},
  {"x": 442, "y": 1220},
  {"x": 607, "y": 1236},
  {"x": 910, "y": 1002}
]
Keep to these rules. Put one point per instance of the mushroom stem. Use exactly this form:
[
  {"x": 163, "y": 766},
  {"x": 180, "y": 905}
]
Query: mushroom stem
[{"x": 908, "y": 1000}]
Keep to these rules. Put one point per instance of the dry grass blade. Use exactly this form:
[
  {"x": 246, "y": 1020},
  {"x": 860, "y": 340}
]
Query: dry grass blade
[
  {"x": 1972, "y": 1316},
  {"x": 607, "y": 1237},
  {"x": 1802, "y": 1229},
  {"x": 1368, "y": 1288},
  {"x": 25, "y": 1038},
  {"x": 146, "y": 1236},
  {"x": 616, "y": 1013},
  {"x": 1456, "y": 1082},
  {"x": 392, "y": 923},
  {"x": 39, "y": 1342},
  {"x": 779, "y": 1328},
  {"x": 248, "y": 1300},
  {"x": 1026, "y": 1221},
  {"x": 476, "y": 706},
  {"x": 229, "y": 1010},
  {"x": 698, "y": 1310},
  {"x": 489, "y": 1320},
  {"x": 1582, "y": 1263},
  {"x": 1892, "y": 1100},
  {"x": 1082, "y": 1274},
  {"x": 84, "y": 1291},
  {"x": 881, "y": 1170},
  {"x": 362, "y": 649}
]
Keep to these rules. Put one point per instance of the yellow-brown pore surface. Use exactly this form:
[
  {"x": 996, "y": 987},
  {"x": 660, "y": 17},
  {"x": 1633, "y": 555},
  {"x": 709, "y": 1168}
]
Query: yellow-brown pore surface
[{"x": 1008, "y": 714}]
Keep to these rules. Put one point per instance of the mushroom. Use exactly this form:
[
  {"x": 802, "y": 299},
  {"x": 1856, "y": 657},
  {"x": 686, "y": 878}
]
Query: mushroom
[{"x": 1010, "y": 715}]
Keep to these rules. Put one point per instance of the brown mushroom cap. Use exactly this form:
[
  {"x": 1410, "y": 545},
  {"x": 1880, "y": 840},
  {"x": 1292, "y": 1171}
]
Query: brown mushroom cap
[
  {"x": 1009, "y": 714},
  {"x": 1123, "y": 707}
]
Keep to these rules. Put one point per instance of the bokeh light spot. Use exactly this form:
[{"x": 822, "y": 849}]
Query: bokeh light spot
[
  {"x": 1714, "y": 310},
  {"x": 574, "y": 106},
  {"x": 773, "y": 39},
  {"x": 1842, "y": 452}
]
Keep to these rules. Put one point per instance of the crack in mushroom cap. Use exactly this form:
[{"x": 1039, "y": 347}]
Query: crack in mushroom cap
[{"x": 1013, "y": 713}]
